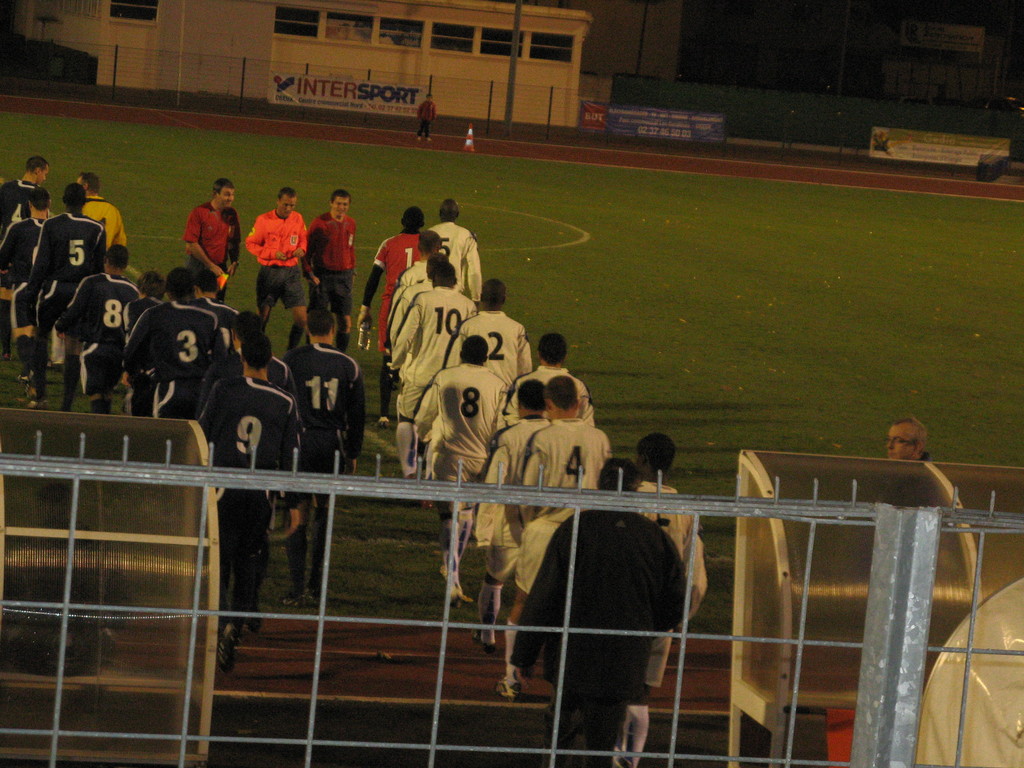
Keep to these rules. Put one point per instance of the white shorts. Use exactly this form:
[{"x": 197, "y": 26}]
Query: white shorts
[
  {"x": 409, "y": 398},
  {"x": 501, "y": 562},
  {"x": 445, "y": 466},
  {"x": 536, "y": 537}
]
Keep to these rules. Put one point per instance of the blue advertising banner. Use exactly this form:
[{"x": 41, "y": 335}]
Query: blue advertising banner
[{"x": 650, "y": 122}]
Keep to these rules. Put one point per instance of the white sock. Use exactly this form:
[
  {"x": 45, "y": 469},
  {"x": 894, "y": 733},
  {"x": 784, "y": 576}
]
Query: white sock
[
  {"x": 510, "y": 642},
  {"x": 633, "y": 735},
  {"x": 445, "y": 539},
  {"x": 489, "y": 603},
  {"x": 405, "y": 442},
  {"x": 465, "y": 529}
]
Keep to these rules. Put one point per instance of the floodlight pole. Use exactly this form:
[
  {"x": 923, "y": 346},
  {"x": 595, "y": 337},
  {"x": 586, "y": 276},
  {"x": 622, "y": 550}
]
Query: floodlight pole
[
  {"x": 181, "y": 50},
  {"x": 510, "y": 94}
]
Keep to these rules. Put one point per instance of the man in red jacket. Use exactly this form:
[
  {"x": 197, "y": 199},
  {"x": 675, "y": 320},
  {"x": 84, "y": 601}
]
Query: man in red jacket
[
  {"x": 426, "y": 112},
  {"x": 278, "y": 241}
]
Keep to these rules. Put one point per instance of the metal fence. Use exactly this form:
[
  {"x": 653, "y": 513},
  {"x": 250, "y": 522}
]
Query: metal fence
[
  {"x": 184, "y": 79},
  {"x": 894, "y": 650}
]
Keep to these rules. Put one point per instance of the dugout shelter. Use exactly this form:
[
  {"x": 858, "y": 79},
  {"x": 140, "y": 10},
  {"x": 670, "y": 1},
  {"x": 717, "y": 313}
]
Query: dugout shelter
[
  {"x": 135, "y": 553},
  {"x": 771, "y": 559}
]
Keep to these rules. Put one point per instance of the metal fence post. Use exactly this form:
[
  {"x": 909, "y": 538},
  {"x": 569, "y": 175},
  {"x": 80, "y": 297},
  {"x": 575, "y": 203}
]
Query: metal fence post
[
  {"x": 241, "y": 88},
  {"x": 490, "y": 101},
  {"x": 895, "y": 637},
  {"x": 113, "y": 79},
  {"x": 551, "y": 101}
]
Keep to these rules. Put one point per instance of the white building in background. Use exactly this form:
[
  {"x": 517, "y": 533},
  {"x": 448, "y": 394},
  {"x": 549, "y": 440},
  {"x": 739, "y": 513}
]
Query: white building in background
[{"x": 458, "y": 48}]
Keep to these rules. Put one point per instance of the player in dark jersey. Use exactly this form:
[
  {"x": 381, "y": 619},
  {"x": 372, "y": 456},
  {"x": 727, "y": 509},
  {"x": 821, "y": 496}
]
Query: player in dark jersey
[
  {"x": 17, "y": 247},
  {"x": 97, "y": 311},
  {"x": 245, "y": 325},
  {"x": 139, "y": 400},
  {"x": 179, "y": 341},
  {"x": 14, "y": 207},
  {"x": 332, "y": 404},
  {"x": 246, "y": 416},
  {"x": 206, "y": 297},
  {"x": 71, "y": 247}
]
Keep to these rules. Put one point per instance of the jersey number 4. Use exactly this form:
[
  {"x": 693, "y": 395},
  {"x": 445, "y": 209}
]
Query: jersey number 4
[{"x": 575, "y": 462}]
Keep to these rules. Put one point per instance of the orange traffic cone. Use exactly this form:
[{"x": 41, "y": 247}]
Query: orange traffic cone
[{"x": 469, "y": 140}]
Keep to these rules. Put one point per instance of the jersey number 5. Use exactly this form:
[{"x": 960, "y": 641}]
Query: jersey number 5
[{"x": 76, "y": 252}]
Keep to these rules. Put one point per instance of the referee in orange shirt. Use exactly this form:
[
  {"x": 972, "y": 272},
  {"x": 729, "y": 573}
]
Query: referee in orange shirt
[{"x": 278, "y": 241}]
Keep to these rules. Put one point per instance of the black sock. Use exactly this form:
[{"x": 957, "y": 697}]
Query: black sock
[
  {"x": 72, "y": 375},
  {"x": 99, "y": 405},
  {"x": 40, "y": 356},
  {"x": 5, "y": 325},
  {"x": 387, "y": 386},
  {"x": 24, "y": 347},
  {"x": 341, "y": 340},
  {"x": 295, "y": 336}
]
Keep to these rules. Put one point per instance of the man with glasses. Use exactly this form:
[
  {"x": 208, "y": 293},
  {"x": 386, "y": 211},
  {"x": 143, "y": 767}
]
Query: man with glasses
[{"x": 906, "y": 440}]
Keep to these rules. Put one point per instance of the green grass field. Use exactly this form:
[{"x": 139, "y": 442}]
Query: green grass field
[{"x": 729, "y": 313}]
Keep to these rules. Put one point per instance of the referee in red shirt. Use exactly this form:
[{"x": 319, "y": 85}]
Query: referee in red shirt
[
  {"x": 212, "y": 234},
  {"x": 332, "y": 254}
]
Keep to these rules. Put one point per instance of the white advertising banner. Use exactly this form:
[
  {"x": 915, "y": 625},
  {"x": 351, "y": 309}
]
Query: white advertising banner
[
  {"x": 944, "y": 37},
  {"x": 341, "y": 92},
  {"x": 931, "y": 147}
]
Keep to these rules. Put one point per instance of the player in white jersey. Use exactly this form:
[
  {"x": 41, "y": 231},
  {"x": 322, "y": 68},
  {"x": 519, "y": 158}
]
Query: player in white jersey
[
  {"x": 459, "y": 244},
  {"x": 552, "y": 351},
  {"x": 655, "y": 453},
  {"x": 412, "y": 282},
  {"x": 418, "y": 351},
  {"x": 508, "y": 354},
  {"x": 460, "y": 411},
  {"x": 499, "y": 527},
  {"x": 570, "y": 453}
]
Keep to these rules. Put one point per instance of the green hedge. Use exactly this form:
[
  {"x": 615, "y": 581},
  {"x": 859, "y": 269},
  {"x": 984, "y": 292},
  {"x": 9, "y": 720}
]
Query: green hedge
[{"x": 816, "y": 119}]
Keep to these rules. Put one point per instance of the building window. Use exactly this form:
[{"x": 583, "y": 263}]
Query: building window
[
  {"x": 551, "y": 47},
  {"x": 452, "y": 37},
  {"x": 90, "y": 8},
  {"x": 401, "y": 32},
  {"x": 296, "y": 21},
  {"x": 349, "y": 26},
  {"x": 139, "y": 10},
  {"x": 498, "y": 42}
]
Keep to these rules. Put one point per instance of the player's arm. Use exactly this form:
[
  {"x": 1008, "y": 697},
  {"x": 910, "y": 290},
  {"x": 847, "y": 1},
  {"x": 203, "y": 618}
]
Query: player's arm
[
  {"x": 135, "y": 346},
  {"x": 402, "y": 345},
  {"x": 524, "y": 357},
  {"x": 471, "y": 265},
  {"x": 355, "y": 420},
  {"x": 99, "y": 250},
  {"x": 372, "y": 282},
  {"x": 77, "y": 308},
  {"x": 452, "y": 351},
  {"x": 7, "y": 250},
  {"x": 291, "y": 437},
  {"x": 427, "y": 409},
  {"x": 115, "y": 225},
  {"x": 40, "y": 263}
]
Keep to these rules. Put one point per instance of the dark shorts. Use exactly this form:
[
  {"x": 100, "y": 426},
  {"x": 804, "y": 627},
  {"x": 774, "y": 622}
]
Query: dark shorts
[
  {"x": 195, "y": 266},
  {"x": 23, "y": 307},
  {"x": 280, "y": 283},
  {"x": 139, "y": 401},
  {"x": 317, "y": 455},
  {"x": 333, "y": 293},
  {"x": 101, "y": 368},
  {"x": 176, "y": 399},
  {"x": 53, "y": 300}
]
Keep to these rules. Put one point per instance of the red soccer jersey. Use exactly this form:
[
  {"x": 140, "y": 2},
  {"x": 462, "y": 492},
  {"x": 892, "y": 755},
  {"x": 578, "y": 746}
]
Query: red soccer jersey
[
  {"x": 216, "y": 232},
  {"x": 395, "y": 255},
  {"x": 332, "y": 243}
]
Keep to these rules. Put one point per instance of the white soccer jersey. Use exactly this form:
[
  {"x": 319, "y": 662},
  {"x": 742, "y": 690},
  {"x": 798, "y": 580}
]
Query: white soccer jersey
[
  {"x": 411, "y": 282},
  {"x": 508, "y": 348},
  {"x": 544, "y": 374},
  {"x": 461, "y": 411},
  {"x": 562, "y": 450},
  {"x": 680, "y": 529},
  {"x": 501, "y": 525},
  {"x": 460, "y": 244},
  {"x": 422, "y": 338}
]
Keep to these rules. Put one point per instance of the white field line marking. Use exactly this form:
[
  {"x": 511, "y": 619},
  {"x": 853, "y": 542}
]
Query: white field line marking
[{"x": 584, "y": 236}]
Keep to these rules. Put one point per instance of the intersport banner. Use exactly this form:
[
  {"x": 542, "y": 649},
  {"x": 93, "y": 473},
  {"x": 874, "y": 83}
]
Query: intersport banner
[
  {"x": 931, "y": 147},
  {"x": 650, "y": 122},
  {"x": 341, "y": 92}
]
